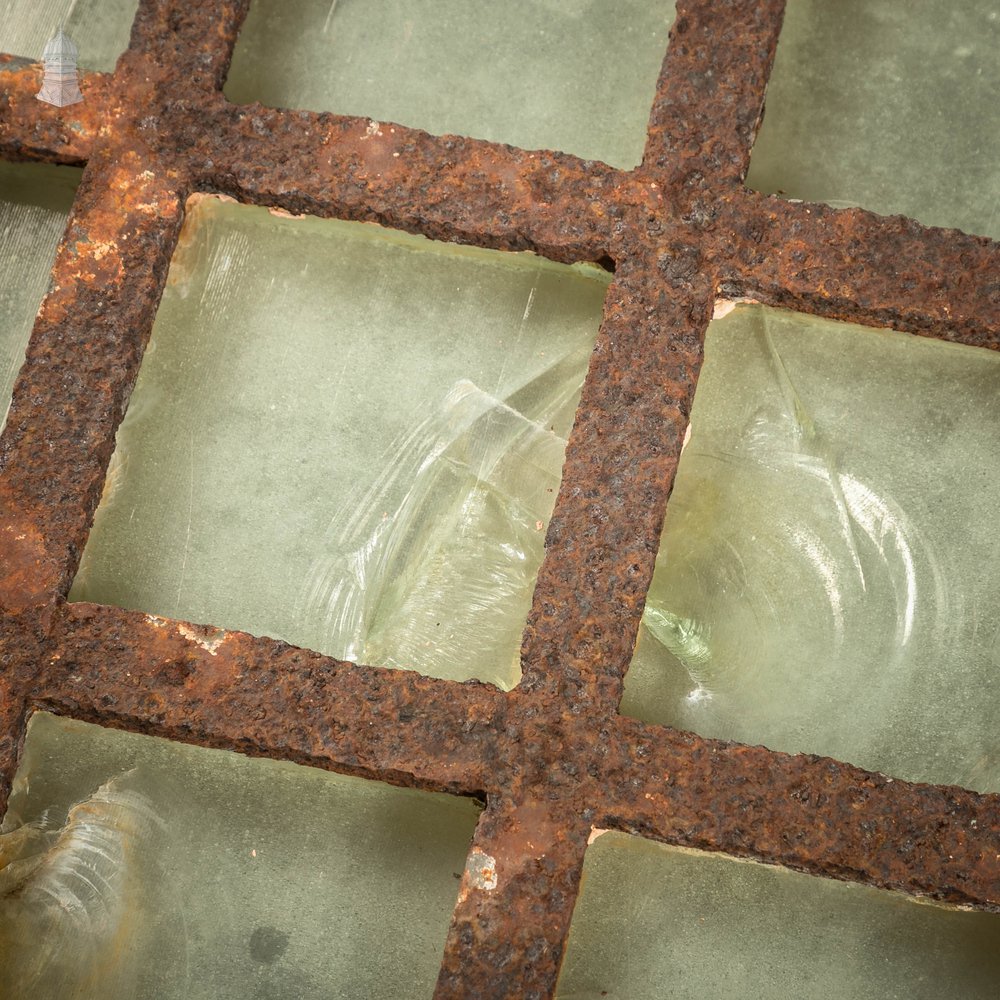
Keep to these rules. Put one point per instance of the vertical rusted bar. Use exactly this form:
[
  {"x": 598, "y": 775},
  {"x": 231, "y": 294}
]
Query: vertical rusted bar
[
  {"x": 188, "y": 46},
  {"x": 81, "y": 363},
  {"x": 23, "y": 652},
  {"x": 620, "y": 464},
  {"x": 12, "y": 720},
  {"x": 710, "y": 95},
  {"x": 520, "y": 882}
]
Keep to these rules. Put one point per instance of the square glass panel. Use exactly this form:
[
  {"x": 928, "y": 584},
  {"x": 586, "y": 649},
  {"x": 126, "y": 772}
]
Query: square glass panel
[
  {"x": 100, "y": 29},
  {"x": 574, "y": 75},
  {"x": 35, "y": 200},
  {"x": 133, "y": 867},
  {"x": 654, "y": 921},
  {"x": 346, "y": 438},
  {"x": 887, "y": 104},
  {"x": 827, "y": 576}
]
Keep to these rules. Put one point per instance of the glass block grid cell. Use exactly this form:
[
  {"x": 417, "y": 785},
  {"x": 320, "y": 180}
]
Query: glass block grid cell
[
  {"x": 573, "y": 75},
  {"x": 884, "y": 105},
  {"x": 652, "y": 921},
  {"x": 816, "y": 588},
  {"x": 35, "y": 200},
  {"x": 348, "y": 439},
  {"x": 99, "y": 28},
  {"x": 150, "y": 869}
]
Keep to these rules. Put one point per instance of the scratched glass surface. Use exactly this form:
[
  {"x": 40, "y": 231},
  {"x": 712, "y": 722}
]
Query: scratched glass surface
[
  {"x": 133, "y": 867},
  {"x": 346, "y": 438},
  {"x": 35, "y": 200},
  {"x": 574, "y": 75},
  {"x": 100, "y": 28},
  {"x": 827, "y": 575},
  {"x": 702, "y": 925},
  {"x": 887, "y": 104}
]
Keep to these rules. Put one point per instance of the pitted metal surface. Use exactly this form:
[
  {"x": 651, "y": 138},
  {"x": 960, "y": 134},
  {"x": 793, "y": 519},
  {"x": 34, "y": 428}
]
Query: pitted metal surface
[{"x": 552, "y": 757}]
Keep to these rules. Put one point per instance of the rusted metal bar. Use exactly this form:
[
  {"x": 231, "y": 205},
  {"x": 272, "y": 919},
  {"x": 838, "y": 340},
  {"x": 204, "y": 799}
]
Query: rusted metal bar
[
  {"x": 13, "y": 718},
  {"x": 855, "y": 265},
  {"x": 22, "y": 651},
  {"x": 809, "y": 813},
  {"x": 520, "y": 882},
  {"x": 444, "y": 187},
  {"x": 180, "y": 51},
  {"x": 262, "y": 697},
  {"x": 81, "y": 363},
  {"x": 710, "y": 95},
  {"x": 551, "y": 756},
  {"x": 13, "y": 713},
  {"x": 622, "y": 455},
  {"x": 33, "y": 130}
]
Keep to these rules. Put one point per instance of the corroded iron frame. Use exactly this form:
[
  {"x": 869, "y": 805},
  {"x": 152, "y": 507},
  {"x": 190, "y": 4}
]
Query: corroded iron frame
[{"x": 552, "y": 757}]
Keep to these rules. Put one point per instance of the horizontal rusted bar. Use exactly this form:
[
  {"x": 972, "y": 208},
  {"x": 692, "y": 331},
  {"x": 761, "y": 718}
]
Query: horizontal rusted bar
[
  {"x": 262, "y": 697},
  {"x": 35, "y": 130},
  {"x": 444, "y": 187},
  {"x": 809, "y": 813},
  {"x": 710, "y": 95},
  {"x": 604, "y": 532},
  {"x": 520, "y": 882},
  {"x": 854, "y": 265}
]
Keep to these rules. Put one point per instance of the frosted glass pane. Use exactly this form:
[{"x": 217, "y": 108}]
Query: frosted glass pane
[
  {"x": 654, "y": 922},
  {"x": 887, "y": 104},
  {"x": 34, "y": 203},
  {"x": 827, "y": 576},
  {"x": 346, "y": 438},
  {"x": 202, "y": 875},
  {"x": 575, "y": 75},
  {"x": 100, "y": 28}
]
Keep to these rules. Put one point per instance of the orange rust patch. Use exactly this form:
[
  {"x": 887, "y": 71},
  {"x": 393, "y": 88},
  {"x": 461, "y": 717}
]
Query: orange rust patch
[
  {"x": 379, "y": 153},
  {"x": 27, "y": 573},
  {"x": 527, "y": 838},
  {"x": 139, "y": 189},
  {"x": 72, "y": 128}
]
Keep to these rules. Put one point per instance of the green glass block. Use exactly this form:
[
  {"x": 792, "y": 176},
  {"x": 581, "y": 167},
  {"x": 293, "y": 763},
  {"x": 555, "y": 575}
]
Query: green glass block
[
  {"x": 654, "y": 922},
  {"x": 133, "y": 867},
  {"x": 346, "y": 438},
  {"x": 574, "y": 75},
  {"x": 886, "y": 104},
  {"x": 827, "y": 575},
  {"x": 35, "y": 200},
  {"x": 99, "y": 28}
]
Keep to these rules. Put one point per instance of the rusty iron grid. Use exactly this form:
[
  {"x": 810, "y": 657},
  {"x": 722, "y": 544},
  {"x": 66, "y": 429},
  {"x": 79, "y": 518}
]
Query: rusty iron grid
[{"x": 552, "y": 758}]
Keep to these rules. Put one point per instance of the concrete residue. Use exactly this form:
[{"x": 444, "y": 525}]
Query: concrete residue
[
  {"x": 481, "y": 870},
  {"x": 208, "y": 639}
]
